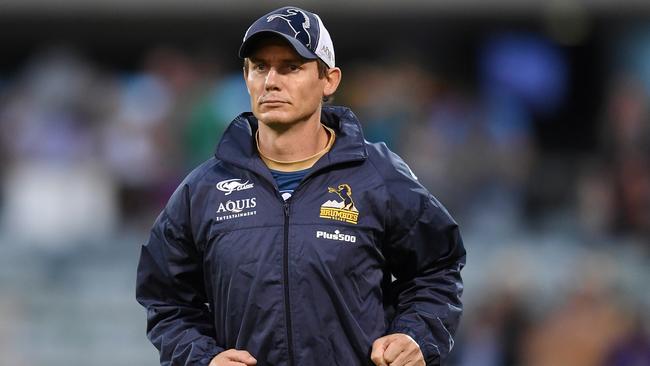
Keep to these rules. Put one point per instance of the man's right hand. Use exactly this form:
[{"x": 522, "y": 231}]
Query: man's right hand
[{"x": 233, "y": 357}]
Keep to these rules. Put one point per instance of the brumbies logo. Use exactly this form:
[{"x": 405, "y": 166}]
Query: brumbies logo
[
  {"x": 299, "y": 23},
  {"x": 343, "y": 210}
]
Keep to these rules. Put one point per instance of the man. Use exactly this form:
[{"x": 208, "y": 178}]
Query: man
[{"x": 300, "y": 243}]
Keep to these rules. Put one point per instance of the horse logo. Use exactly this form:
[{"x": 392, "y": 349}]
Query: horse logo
[
  {"x": 344, "y": 210},
  {"x": 298, "y": 22},
  {"x": 345, "y": 192}
]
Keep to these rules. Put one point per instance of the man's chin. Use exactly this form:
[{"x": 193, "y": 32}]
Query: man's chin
[{"x": 275, "y": 119}]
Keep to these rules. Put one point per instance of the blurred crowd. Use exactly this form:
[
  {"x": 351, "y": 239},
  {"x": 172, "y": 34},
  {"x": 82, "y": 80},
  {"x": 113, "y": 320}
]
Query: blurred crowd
[{"x": 558, "y": 239}]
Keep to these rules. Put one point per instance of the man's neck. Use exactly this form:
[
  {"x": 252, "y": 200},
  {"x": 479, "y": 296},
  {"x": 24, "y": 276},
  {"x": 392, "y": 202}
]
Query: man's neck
[{"x": 300, "y": 141}]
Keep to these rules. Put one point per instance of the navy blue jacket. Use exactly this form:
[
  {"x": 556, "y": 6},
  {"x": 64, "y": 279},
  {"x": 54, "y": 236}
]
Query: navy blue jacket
[{"x": 359, "y": 251}]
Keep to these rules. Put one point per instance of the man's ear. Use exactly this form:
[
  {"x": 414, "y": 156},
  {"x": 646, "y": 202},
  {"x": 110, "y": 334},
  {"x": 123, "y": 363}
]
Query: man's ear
[
  {"x": 245, "y": 71},
  {"x": 333, "y": 79}
]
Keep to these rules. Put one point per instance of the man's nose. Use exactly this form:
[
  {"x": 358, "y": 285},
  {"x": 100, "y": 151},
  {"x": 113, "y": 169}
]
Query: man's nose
[{"x": 272, "y": 79}]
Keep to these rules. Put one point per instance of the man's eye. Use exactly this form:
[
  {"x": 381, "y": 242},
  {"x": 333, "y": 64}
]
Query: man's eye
[
  {"x": 259, "y": 67},
  {"x": 294, "y": 67}
]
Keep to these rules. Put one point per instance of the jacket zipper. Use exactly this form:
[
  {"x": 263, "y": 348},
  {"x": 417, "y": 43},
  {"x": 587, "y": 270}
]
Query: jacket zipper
[
  {"x": 287, "y": 306},
  {"x": 287, "y": 302}
]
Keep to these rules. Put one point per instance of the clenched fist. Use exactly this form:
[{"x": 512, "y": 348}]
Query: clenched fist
[
  {"x": 396, "y": 350},
  {"x": 233, "y": 357}
]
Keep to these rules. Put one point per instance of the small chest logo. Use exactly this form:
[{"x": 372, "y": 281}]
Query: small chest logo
[
  {"x": 336, "y": 235},
  {"x": 230, "y": 185},
  {"x": 344, "y": 210},
  {"x": 237, "y": 208}
]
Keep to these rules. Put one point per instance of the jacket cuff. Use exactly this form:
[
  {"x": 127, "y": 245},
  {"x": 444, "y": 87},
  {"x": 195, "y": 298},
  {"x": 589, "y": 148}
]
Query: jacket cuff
[
  {"x": 205, "y": 361},
  {"x": 209, "y": 350}
]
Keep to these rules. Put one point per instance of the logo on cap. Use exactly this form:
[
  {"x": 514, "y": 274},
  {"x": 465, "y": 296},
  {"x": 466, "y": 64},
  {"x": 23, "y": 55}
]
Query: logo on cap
[{"x": 299, "y": 26}]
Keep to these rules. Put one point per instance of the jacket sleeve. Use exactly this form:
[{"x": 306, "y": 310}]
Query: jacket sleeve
[
  {"x": 170, "y": 286},
  {"x": 425, "y": 254}
]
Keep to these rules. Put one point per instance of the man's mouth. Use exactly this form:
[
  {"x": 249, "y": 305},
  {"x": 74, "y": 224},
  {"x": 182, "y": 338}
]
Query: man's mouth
[{"x": 273, "y": 101}]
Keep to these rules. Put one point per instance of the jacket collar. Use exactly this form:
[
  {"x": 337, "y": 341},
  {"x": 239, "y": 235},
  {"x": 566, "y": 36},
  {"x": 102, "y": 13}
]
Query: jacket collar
[{"x": 237, "y": 145}]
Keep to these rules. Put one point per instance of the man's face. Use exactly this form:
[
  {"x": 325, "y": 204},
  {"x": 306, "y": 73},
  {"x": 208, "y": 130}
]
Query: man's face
[{"x": 284, "y": 88}]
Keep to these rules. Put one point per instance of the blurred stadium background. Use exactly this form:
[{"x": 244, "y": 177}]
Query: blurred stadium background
[{"x": 529, "y": 120}]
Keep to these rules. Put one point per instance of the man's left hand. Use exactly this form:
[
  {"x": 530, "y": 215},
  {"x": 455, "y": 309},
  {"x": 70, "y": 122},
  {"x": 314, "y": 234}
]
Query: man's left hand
[{"x": 396, "y": 350}]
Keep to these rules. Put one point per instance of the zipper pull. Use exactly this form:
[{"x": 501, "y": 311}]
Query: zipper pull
[{"x": 286, "y": 209}]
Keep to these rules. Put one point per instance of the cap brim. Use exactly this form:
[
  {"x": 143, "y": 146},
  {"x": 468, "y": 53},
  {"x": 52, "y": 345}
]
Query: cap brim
[{"x": 246, "y": 47}]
